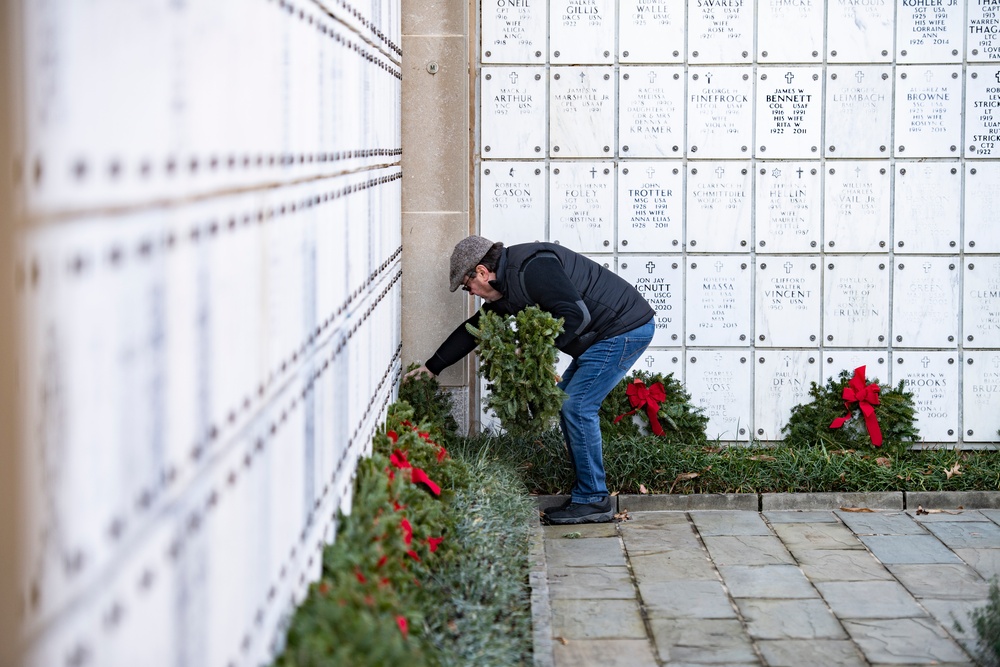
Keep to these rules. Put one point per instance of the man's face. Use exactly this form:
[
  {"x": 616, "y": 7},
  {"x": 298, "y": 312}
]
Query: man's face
[{"x": 479, "y": 284}]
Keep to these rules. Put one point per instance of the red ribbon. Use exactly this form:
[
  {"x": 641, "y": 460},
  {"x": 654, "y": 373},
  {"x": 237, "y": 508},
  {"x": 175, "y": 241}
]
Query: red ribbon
[
  {"x": 641, "y": 396},
  {"x": 866, "y": 396}
]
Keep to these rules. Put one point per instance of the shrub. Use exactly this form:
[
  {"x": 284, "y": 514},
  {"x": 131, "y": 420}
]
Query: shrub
[
  {"x": 986, "y": 622},
  {"x": 430, "y": 403}
]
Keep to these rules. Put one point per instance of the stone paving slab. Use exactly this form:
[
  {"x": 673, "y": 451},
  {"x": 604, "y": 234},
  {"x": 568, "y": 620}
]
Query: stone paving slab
[
  {"x": 605, "y": 652},
  {"x": 817, "y": 536},
  {"x": 942, "y": 581},
  {"x": 948, "y": 515},
  {"x": 906, "y": 641},
  {"x": 984, "y": 561},
  {"x": 582, "y": 619},
  {"x": 966, "y": 534},
  {"x": 674, "y": 566},
  {"x": 583, "y": 552},
  {"x": 901, "y": 549},
  {"x": 747, "y": 550},
  {"x": 800, "y": 516},
  {"x": 702, "y": 641},
  {"x": 789, "y": 619},
  {"x": 595, "y": 582},
  {"x": 685, "y": 599},
  {"x": 869, "y": 599},
  {"x": 881, "y": 523},
  {"x": 801, "y": 652},
  {"x": 729, "y": 523},
  {"x": 766, "y": 581},
  {"x": 850, "y": 565}
]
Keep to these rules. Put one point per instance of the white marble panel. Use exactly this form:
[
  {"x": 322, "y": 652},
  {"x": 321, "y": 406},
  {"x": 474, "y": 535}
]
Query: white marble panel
[
  {"x": 582, "y": 111},
  {"x": 788, "y": 206},
  {"x": 582, "y": 31},
  {"x": 512, "y": 201},
  {"x": 781, "y": 381},
  {"x": 720, "y": 31},
  {"x": 929, "y": 31},
  {"x": 720, "y": 112},
  {"x": 650, "y": 31},
  {"x": 651, "y": 111},
  {"x": 513, "y": 31},
  {"x": 982, "y": 206},
  {"x": 875, "y": 361},
  {"x": 719, "y": 382},
  {"x": 927, "y": 207},
  {"x": 982, "y": 111},
  {"x": 858, "y": 111},
  {"x": 787, "y": 301},
  {"x": 928, "y": 111},
  {"x": 661, "y": 361},
  {"x": 717, "y": 311},
  {"x": 981, "y": 395},
  {"x": 983, "y": 30},
  {"x": 660, "y": 280},
  {"x": 719, "y": 213},
  {"x": 790, "y": 31},
  {"x": 856, "y": 301},
  {"x": 925, "y": 297},
  {"x": 860, "y": 31},
  {"x": 607, "y": 261},
  {"x": 582, "y": 205},
  {"x": 932, "y": 377},
  {"x": 513, "y": 112},
  {"x": 857, "y": 207},
  {"x": 789, "y": 112},
  {"x": 981, "y": 307},
  {"x": 650, "y": 199}
]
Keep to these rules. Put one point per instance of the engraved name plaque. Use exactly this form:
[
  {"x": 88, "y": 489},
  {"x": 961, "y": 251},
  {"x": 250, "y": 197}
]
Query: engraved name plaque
[
  {"x": 649, "y": 206},
  {"x": 858, "y": 111},
  {"x": 983, "y": 30},
  {"x": 787, "y": 304},
  {"x": 581, "y": 205},
  {"x": 719, "y": 382},
  {"x": 720, "y": 31},
  {"x": 929, "y": 31},
  {"x": 981, "y": 310},
  {"x": 856, "y": 303},
  {"x": 982, "y": 110},
  {"x": 925, "y": 302},
  {"x": 980, "y": 394},
  {"x": 720, "y": 112},
  {"x": 513, "y": 31},
  {"x": 927, "y": 206},
  {"x": 789, "y": 112},
  {"x": 718, "y": 207},
  {"x": 661, "y": 361},
  {"x": 860, "y": 30},
  {"x": 718, "y": 301},
  {"x": 651, "y": 111},
  {"x": 790, "y": 31},
  {"x": 932, "y": 377},
  {"x": 513, "y": 111},
  {"x": 582, "y": 111},
  {"x": 928, "y": 111},
  {"x": 650, "y": 31},
  {"x": 788, "y": 207},
  {"x": 857, "y": 207},
  {"x": 835, "y": 361},
  {"x": 582, "y": 31},
  {"x": 982, "y": 202},
  {"x": 659, "y": 280},
  {"x": 512, "y": 201},
  {"x": 781, "y": 381}
]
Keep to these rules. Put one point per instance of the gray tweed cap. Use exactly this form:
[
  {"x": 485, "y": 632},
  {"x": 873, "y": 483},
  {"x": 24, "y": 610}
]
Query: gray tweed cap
[{"x": 466, "y": 256}]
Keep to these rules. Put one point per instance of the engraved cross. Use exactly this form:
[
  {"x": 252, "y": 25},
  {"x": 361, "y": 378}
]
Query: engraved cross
[
  {"x": 799, "y": 172},
  {"x": 720, "y": 172},
  {"x": 927, "y": 267},
  {"x": 788, "y": 267},
  {"x": 718, "y": 266},
  {"x": 583, "y": 77},
  {"x": 857, "y": 172},
  {"x": 513, "y": 77},
  {"x": 788, "y": 361},
  {"x": 928, "y": 76},
  {"x": 860, "y": 76},
  {"x": 650, "y": 266},
  {"x": 649, "y": 361},
  {"x": 652, "y": 77},
  {"x": 926, "y": 361},
  {"x": 789, "y": 78},
  {"x": 708, "y": 78},
  {"x": 593, "y": 172},
  {"x": 650, "y": 172}
]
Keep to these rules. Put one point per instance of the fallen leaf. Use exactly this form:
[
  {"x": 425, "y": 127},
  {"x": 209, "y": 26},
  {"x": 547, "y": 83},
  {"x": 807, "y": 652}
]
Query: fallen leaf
[
  {"x": 855, "y": 509},
  {"x": 573, "y": 536},
  {"x": 763, "y": 457},
  {"x": 623, "y": 516},
  {"x": 562, "y": 640},
  {"x": 883, "y": 461},
  {"x": 843, "y": 451},
  {"x": 614, "y": 493},
  {"x": 711, "y": 450},
  {"x": 921, "y": 510},
  {"x": 955, "y": 471},
  {"x": 683, "y": 477},
  {"x": 642, "y": 488}
]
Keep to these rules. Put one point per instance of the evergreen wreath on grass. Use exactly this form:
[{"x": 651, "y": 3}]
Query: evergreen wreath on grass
[{"x": 679, "y": 419}]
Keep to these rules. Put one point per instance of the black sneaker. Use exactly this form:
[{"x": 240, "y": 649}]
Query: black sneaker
[{"x": 600, "y": 512}]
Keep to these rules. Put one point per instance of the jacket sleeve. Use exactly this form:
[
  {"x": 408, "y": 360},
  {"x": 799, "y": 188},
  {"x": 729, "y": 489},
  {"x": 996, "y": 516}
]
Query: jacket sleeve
[
  {"x": 454, "y": 347},
  {"x": 547, "y": 285}
]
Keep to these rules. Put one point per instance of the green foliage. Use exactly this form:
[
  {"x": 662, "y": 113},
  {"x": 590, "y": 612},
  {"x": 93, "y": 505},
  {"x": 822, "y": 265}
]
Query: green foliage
[
  {"x": 430, "y": 402},
  {"x": 681, "y": 421},
  {"x": 517, "y": 358},
  {"x": 986, "y": 621},
  {"x": 809, "y": 424}
]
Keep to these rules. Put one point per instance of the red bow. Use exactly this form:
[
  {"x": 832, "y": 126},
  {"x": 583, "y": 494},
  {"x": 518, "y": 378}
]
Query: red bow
[
  {"x": 866, "y": 396},
  {"x": 641, "y": 396}
]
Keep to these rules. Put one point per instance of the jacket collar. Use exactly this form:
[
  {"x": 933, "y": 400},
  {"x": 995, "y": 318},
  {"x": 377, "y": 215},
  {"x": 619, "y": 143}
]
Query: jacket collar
[{"x": 501, "y": 279}]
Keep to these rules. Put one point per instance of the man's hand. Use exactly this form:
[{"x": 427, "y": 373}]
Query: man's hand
[{"x": 418, "y": 371}]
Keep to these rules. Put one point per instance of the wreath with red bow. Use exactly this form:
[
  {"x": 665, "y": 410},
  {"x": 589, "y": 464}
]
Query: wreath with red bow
[{"x": 646, "y": 403}]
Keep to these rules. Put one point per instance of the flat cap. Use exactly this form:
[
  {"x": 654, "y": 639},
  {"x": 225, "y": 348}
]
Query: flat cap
[{"x": 466, "y": 256}]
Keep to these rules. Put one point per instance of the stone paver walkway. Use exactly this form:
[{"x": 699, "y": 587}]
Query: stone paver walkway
[{"x": 774, "y": 587}]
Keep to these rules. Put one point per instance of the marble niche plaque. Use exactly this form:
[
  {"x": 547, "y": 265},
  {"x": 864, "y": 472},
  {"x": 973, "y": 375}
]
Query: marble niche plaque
[
  {"x": 718, "y": 301},
  {"x": 581, "y": 31},
  {"x": 980, "y": 395},
  {"x": 874, "y": 361},
  {"x": 582, "y": 111},
  {"x": 858, "y": 111},
  {"x": 787, "y": 301},
  {"x": 790, "y": 31},
  {"x": 928, "y": 111},
  {"x": 925, "y": 301},
  {"x": 981, "y": 308},
  {"x": 860, "y": 30},
  {"x": 781, "y": 381},
  {"x": 789, "y": 112},
  {"x": 512, "y": 201},
  {"x": 651, "y": 111},
  {"x": 513, "y": 111},
  {"x": 513, "y": 31},
  {"x": 927, "y": 207},
  {"x": 650, "y": 195},
  {"x": 720, "y": 31},
  {"x": 719, "y": 382},
  {"x": 982, "y": 111},
  {"x": 856, "y": 301},
  {"x": 649, "y": 31},
  {"x": 982, "y": 202},
  {"x": 932, "y": 377},
  {"x": 929, "y": 31},
  {"x": 718, "y": 207},
  {"x": 983, "y": 30},
  {"x": 661, "y": 361},
  {"x": 660, "y": 281},
  {"x": 857, "y": 206},
  {"x": 720, "y": 112},
  {"x": 788, "y": 207},
  {"x": 582, "y": 205}
]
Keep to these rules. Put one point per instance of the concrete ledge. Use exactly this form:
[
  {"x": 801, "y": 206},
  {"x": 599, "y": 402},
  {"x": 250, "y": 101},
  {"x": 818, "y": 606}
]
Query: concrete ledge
[
  {"x": 695, "y": 501},
  {"x": 888, "y": 500},
  {"x": 541, "y": 609},
  {"x": 951, "y": 500}
]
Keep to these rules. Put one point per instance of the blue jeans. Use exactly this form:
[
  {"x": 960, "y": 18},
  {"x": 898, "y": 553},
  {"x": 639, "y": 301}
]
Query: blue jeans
[{"x": 588, "y": 380}]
